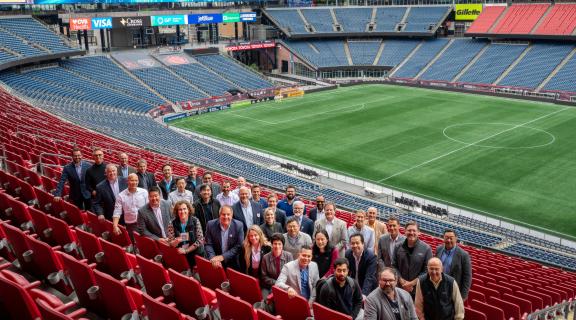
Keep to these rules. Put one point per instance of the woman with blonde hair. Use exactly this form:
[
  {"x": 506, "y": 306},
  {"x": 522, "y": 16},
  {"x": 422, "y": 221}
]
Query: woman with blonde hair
[
  {"x": 270, "y": 226},
  {"x": 254, "y": 247}
]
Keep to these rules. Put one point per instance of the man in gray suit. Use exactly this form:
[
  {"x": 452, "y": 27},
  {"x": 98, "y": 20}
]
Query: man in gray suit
[
  {"x": 411, "y": 258},
  {"x": 124, "y": 169},
  {"x": 388, "y": 301},
  {"x": 456, "y": 262},
  {"x": 388, "y": 243},
  {"x": 335, "y": 227},
  {"x": 154, "y": 217},
  {"x": 299, "y": 277}
]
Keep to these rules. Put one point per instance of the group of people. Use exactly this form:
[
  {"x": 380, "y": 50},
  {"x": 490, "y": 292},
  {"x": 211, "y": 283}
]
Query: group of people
[{"x": 368, "y": 270}]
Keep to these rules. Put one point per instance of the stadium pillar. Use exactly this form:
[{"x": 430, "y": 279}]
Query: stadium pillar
[
  {"x": 178, "y": 34},
  {"x": 236, "y": 31},
  {"x": 86, "y": 39},
  {"x": 103, "y": 40},
  {"x": 79, "y": 35}
]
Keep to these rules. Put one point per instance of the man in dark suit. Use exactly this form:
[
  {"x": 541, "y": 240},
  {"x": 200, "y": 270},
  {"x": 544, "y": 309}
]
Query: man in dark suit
[
  {"x": 75, "y": 174},
  {"x": 363, "y": 265},
  {"x": 247, "y": 211},
  {"x": 306, "y": 225},
  {"x": 206, "y": 208},
  {"x": 155, "y": 217},
  {"x": 124, "y": 169},
  {"x": 106, "y": 192},
  {"x": 317, "y": 213},
  {"x": 456, "y": 262},
  {"x": 388, "y": 243},
  {"x": 193, "y": 181},
  {"x": 279, "y": 213},
  {"x": 225, "y": 253},
  {"x": 146, "y": 180},
  {"x": 168, "y": 183},
  {"x": 207, "y": 179}
]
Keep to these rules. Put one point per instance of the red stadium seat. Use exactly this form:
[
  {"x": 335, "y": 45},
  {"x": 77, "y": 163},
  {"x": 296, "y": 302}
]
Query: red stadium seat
[
  {"x": 156, "y": 310},
  {"x": 46, "y": 265},
  {"x": 491, "y": 312},
  {"x": 154, "y": 276},
  {"x": 290, "y": 308},
  {"x": 45, "y": 200},
  {"x": 524, "y": 305},
  {"x": 16, "y": 302},
  {"x": 117, "y": 262},
  {"x": 41, "y": 225},
  {"x": 146, "y": 247},
  {"x": 244, "y": 286},
  {"x": 16, "y": 211},
  {"x": 546, "y": 298},
  {"x": 49, "y": 313},
  {"x": 188, "y": 293},
  {"x": 209, "y": 276},
  {"x": 63, "y": 235},
  {"x": 89, "y": 245},
  {"x": 511, "y": 310},
  {"x": 94, "y": 225},
  {"x": 323, "y": 313},
  {"x": 81, "y": 275},
  {"x": 233, "y": 308},
  {"x": 118, "y": 299},
  {"x": 171, "y": 258},
  {"x": 471, "y": 314},
  {"x": 537, "y": 302},
  {"x": 70, "y": 213}
]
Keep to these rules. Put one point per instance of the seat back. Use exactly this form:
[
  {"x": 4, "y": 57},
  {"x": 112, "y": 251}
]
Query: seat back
[
  {"x": 146, "y": 247},
  {"x": 61, "y": 232},
  {"x": 117, "y": 300},
  {"x": 263, "y": 315},
  {"x": 157, "y": 310},
  {"x": 69, "y": 213},
  {"x": 525, "y": 305},
  {"x": 154, "y": 276},
  {"x": 491, "y": 312},
  {"x": 244, "y": 286},
  {"x": 323, "y": 313},
  {"x": 45, "y": 263},
  {"x": 49, "y": 313},
  {"x": 89, "y": 245},
  {"x": 16, "y": 302},
  {"x": 18, "y": 241},
  {"x": 95, "y": 226},
  {"x": 18, "y": 212},
  {"x": 472, "y": 314},
  {"x": 233, "y": 308},
  {"x": 187, "y": 292},
  {"x": 536, "y": 301},
  {"x": 211, "y": 277},
  {"x": 115, "y": 260},
  {"x": 82, "y": 278},
  {"x": 290, "y": 308},
  {"x": 171, "y": 258},
  {"x": 40, "y": 222},
  {"x": 510, "y": 309}
]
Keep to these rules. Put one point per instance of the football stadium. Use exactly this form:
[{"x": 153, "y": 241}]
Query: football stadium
[{"x": 300, "y": 159}]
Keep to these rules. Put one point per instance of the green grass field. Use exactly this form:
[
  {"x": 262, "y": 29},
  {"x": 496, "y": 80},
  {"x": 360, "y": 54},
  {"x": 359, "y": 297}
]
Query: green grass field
[{"x": 504, "y": 157}]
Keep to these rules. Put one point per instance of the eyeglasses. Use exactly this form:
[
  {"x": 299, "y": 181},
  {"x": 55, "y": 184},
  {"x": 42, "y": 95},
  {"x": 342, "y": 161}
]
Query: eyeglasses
[{"x": 388, "y": 280}]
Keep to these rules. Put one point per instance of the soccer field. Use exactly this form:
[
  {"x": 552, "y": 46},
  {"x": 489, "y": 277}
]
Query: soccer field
[{"x": 504, "y": 157}]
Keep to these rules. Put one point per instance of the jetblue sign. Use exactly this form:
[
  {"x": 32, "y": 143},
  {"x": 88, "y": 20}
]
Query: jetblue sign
[
  {"x": 204, "y": 18},
  {"x": 101, "y": 23}
]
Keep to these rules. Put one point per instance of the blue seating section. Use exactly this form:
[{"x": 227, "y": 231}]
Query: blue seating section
[
  {"x": 536, "y": 65},
  {"x": 453, "y": 60},
  {"x": 395, "y": 51},
  {"x": 363, "y": 52},
  {"x": 102, "y": 70},
  {"x": 421, "y": 18},
  {"x": 541, "y": 255},
  {"x": 203, "y": 78},
  {"x": 328, "y": 53},
  {"x": 320, "y": 19},
  {"x": 427, "y": 51},
  {"x": 493, "y": 62},
  {"x": 58, "y": 86},
  {"x": 32, "y": 30},
  {"x": 17, "y": 45},
  {"x": 353, "y": 19},
  {"x": 388, "y": 18},
  {"x": 288, "y": 19},
  {"x": 565, "y": 79},
  {"x": 168, "y": 85},
  {"x": 234, "y": 72},
  {"x": 6, "y": 57}
]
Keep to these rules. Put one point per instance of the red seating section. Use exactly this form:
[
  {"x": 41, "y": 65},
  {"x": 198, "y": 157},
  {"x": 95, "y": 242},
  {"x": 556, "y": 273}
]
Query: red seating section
[
  {"x": 520, "y": 18},
  {"x": 486, "y": 19},
  {"x": 561, "y": 20}
]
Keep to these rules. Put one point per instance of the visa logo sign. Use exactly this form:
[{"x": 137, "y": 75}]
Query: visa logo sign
[{"x": 102, "y": 23}]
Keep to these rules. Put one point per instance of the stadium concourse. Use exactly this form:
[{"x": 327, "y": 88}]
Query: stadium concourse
[{"x": 59, "y": 261}]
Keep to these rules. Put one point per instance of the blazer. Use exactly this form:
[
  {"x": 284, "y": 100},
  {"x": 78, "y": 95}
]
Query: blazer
[
  {"x": 460, "y": 268},
  {"x": 78, "y": 189},
  {"x": 410, "y": 266},
  {"x": 103, "y": 203},
  {"x": 148, "y": 225},
  {"x": 313, "y": 214},
  {"x": 149, "y": 178},
  {"x": 307, "y": 226},
  {"x": 192, "y": 184},
  {"x": 257, "y": 218},
  {"x": 339, "y": 236},
  {"x": 268, "y": 268},
  {"x": 385, "y": 258},
  {"x": 290, "y": 277},
  {"x": 367, "y": 270},
  {"x": 166, "y": 192},
  {"x": 245, "y": 265},
  {"x": 376, "y": 306},
  {"x": 214, "y": 242},
  {"x": 130, "y": 170},
  {"x": 201, "y": 215},
  {"x": 215, "y": 190},
  {"x": 281, "y": 218}
]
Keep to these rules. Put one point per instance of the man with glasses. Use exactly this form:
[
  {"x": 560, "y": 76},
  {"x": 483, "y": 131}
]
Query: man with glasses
[
  {"x": 306, "y": 225},
  {"x": 317, "y": 213},
  {"x": 388, "y": 301},
  {"x": 207, "y": 179}
]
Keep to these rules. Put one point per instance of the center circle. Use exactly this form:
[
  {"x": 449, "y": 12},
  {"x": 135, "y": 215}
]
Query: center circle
[{"x": 497, "y": 135}]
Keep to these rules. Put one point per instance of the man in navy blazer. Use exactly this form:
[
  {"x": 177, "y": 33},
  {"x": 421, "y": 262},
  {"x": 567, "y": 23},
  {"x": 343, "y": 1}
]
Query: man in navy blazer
[
  {"x": 363, "y": 264},
  {"x": 224, "y": 253},
  {"x": 106, "y": 191},
  {"x": 75, "y": 174},
  {"x": 306, "y": 225},
  {"x": 246, "y": 209}
]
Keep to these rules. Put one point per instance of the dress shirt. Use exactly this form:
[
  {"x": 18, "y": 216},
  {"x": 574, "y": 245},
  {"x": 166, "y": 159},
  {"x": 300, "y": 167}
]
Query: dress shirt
[
  {"x": 446, "y": 259},
  {"x": 224, "y": 237},
  {"x": 320, "y": 215},
  {"x": 158, "y": 214},
  {"x": 256, "y": 257},
  {"x": 124, "y": 171},
  {"x": 79, "y": 170},
  {"x": 228, "y": 200},
  {"x": 393, "y": 243},
  {"x": 128, "y": 203},
  {"x": 176, "y": 196},
  {"x": 356, "y": 263},
  {"x": 304, "y": 288},
  {"x": 329, "y": 227},
  {"x": 115, "y": 187},
  {"x": 247, "y": 211}
]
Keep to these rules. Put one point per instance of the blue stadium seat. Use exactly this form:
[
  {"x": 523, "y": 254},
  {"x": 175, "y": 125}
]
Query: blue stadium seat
[
  {"x": 453, "y": 60},
  {"x": 493, "y": 62},
  {"x": 427, "y": 51}
]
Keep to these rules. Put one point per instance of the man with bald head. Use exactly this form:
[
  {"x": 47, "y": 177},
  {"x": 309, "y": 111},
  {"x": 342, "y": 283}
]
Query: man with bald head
[
  {"x": 247, "y": 211},
  {"x": 437, "y": 294},
  {"x": 379, "y": 227},
  {"x": 107, "y": 191}
]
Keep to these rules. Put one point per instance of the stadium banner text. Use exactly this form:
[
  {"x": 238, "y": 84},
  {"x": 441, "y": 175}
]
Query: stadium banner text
[
  {"x": 468, "y": 12},
  {"x": 251, "y": 45},
  {"x": 90, "y": 24},
  {"x": 173, "y": 20}
]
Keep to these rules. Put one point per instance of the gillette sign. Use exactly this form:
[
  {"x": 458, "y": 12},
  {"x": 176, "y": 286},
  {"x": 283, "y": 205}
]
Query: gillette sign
[{"x": 204, "y": 18}]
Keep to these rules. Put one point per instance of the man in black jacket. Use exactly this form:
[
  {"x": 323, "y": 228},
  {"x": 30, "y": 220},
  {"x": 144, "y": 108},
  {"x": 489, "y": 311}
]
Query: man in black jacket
[{"x": 341, "y": 292}]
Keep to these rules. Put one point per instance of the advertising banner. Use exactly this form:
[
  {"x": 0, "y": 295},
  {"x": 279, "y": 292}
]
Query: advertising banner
[
  {"x": 80, "y": 24},
  {"x": 2, "y": 2},
  {"x": 204, "y": 18},
  {"x": 173, "y": 20},
  {"x": 130, "y": 22},
  {"x": 248, "y": 16},
  {"x": 101, "y": 23},
  {"x": 251, "y": 45},
  {"x": 468, "y": 12},
  {"x": 230, "y": 17}
]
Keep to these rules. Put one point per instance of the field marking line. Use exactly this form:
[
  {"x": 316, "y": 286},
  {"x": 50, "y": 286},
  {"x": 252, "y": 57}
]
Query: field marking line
[
  {"x": 255, "y": 119},
  {"x": 469, "y": 145}
]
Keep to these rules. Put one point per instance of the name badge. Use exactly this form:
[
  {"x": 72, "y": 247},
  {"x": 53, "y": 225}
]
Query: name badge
[{"x": 184, "y": 236}]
